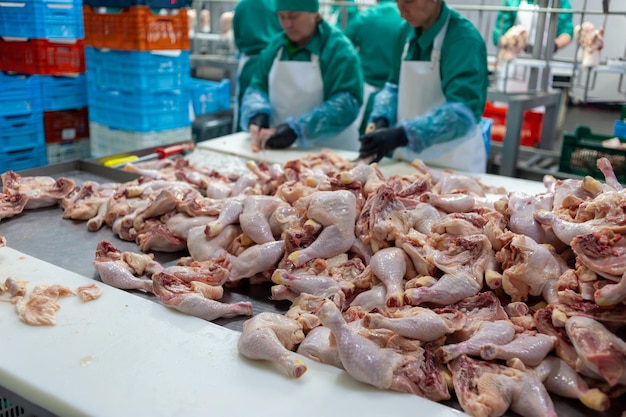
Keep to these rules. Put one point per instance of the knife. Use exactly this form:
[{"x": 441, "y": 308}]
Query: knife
[{"x": 159, "y": 153}]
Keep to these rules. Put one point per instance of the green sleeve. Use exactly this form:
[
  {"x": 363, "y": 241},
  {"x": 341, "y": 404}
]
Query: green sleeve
[
  {"x": 505, "y": 20},
  {"x": 565, "y": 24},
  {"x": 465, "y": 76},
  {"x": 341, "y": 68}
]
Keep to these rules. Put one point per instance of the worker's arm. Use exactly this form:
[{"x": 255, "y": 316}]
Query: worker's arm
[
  {"x": 385, "y": 105},
  {"x": 325, "y": 121},
  {"x": 256, "y": 97},
  {"x": 565, "y": 26}
]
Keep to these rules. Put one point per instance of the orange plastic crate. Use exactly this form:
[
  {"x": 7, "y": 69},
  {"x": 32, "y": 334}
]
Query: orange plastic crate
[
  {"x": 41, "y": 56},
  {"x": 136, "y": 28},
  {"x": 531, "y": 125}
]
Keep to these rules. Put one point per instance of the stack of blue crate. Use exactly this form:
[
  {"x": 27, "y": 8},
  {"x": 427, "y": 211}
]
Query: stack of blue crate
[
  {"x": 30, "y": 99},
  {"x": 137, "y": 98}
]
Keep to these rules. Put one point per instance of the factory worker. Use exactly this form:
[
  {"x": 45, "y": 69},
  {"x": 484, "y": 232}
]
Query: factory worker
[
  {"x": 432, "y": 104},
  {"x": 373, "y": 33},
  {"x": 308, "y": 87},
  {"x": 527, "y": 16},
  {"x": 337, "y": 17},
  {"x": 250, "y": 39}
]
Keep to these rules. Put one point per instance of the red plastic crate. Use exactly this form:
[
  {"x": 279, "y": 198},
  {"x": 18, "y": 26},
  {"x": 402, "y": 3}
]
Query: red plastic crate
[
  {"x": 136, "y": 28},
  {"x": 42, "y": 56},
  {"x": 66, "y": 125},
  {"x": 531, "y": 125}
]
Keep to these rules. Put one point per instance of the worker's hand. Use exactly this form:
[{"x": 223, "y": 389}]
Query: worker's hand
[
  {"x": 257, "y": 123},
  {"x": 283, "y": 138},
  {"x": 382, "y": 142}
]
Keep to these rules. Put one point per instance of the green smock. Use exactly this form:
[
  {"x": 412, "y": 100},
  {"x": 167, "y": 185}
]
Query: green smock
[
  {"x": 505, "y": 20},
  {"x": 255, "y": 23},
  {"x": 463, "y": 63},
  {"x": 338, "y": 61}
]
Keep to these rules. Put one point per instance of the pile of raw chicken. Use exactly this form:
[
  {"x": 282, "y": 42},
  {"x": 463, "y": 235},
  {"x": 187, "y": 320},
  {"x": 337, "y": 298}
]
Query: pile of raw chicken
[{"x": 421, "y": 283}]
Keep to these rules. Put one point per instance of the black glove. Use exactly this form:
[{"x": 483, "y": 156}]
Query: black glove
[
  {"x": 382, "y": 142},
  {"x": 556, "y": 48},
  {"x": 283, "y": 138},
  {"x": 381, "y": 123},
  {"x": 261, "y": 120}
]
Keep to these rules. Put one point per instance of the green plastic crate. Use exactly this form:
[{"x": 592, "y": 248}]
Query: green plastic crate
[
  {"x": 583, "y": 148},
  {"x": 623, "y": 116}
]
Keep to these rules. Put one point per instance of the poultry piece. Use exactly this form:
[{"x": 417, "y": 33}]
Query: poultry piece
[
  {"x": 317, "y": 346},
  {"x": 115, "y": 271},
  {"x": 448, "y": 289},
  {"x": 256, "y": 259},
  {"x": 601, "y": 354},
  {"x": 300, "y": 282},
  {"x": 604, "y": 252},
  {"x": 255, "y": 217},
  {"x": 560, "y": 379},
  {"x": 591, "y": 41},
  {"x": 512, "y": 43},
  {"x": 12, "y": 204},
  {"x": 336, "y": 212},
  {"x": 202, "y": 248},
  {"x": 41, "y": 191},
  {"x": 530, "y": 348},
  {"x": 499, "y": 332},
  {"x": 418, "y": 323},
  {"x": 175, "y": 293},
  {"x": 389, "y": 266},
  {"x": 522, "y": 207},
  {"x": 85, "y": 202},
  {"x": 40, "y": 307},
  {"x": 486, "y": 389},
  {"x": 530, "y": 269},
  {"x": 364, "y": 360},
  {"x": 89, "y": 292},
  {"x": 273, "y": 337}
]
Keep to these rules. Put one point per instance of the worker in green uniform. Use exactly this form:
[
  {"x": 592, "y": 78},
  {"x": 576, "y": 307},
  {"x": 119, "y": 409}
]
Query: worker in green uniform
[
  {"x": 373, "y": 32},
  {"x": 308, "y": 87},
  {"x": 431, "y": 106},
  {"x": 250, "y": 39},
  {"x": 337, "y": 17},
  {"x": 525, "y": 15}
]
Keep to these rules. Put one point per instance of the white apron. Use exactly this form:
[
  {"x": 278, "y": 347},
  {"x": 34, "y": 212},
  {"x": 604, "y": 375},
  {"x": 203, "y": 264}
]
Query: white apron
[
  {"x": 297, "y": 87},
  {"x": 419, "y": 92}
]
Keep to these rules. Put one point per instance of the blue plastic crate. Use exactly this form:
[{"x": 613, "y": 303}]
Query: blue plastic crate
[
  {"x": 21, "y": 132},
  {"x": 24, "y": 159},
  {"x": 619, "y": 129},
  {"x": 137, "y": 70},
  {"x": 20, "y": 94},
  {"x": 209, "y": 96},
  {"x": 63, "y": 92},
  {"x": 139, "y": 111},
  {"x": 42, "y": 19},
  {"x": 155, "y": 4}
]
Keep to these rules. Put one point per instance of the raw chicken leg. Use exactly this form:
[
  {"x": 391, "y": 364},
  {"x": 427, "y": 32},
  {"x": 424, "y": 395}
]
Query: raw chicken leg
[
  {"x": 423, "y": 324},
  {"x": 531, "y": 349},
  {"x": 336, "y": 211},
  {"x": 362, "y": 358},
  {"x": 498, "y": 332},
  {"x": 559, "y": 378},
  {"x": 272, "y": 337},
  {"x": 448, "y": 289},
  {"x": 254, "y": 219},
  {"x": 389, "y": 266},
  {"x": 114, "y": 271},
  {"x": 255, "y": 259},
  {"x": 229, "y": 214},
  {"x": 600, "y": 352},
  {"x": 316, "y": 345},
  {"x": 487, "y": 389},
  {"x": 171, "y": 292}
]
